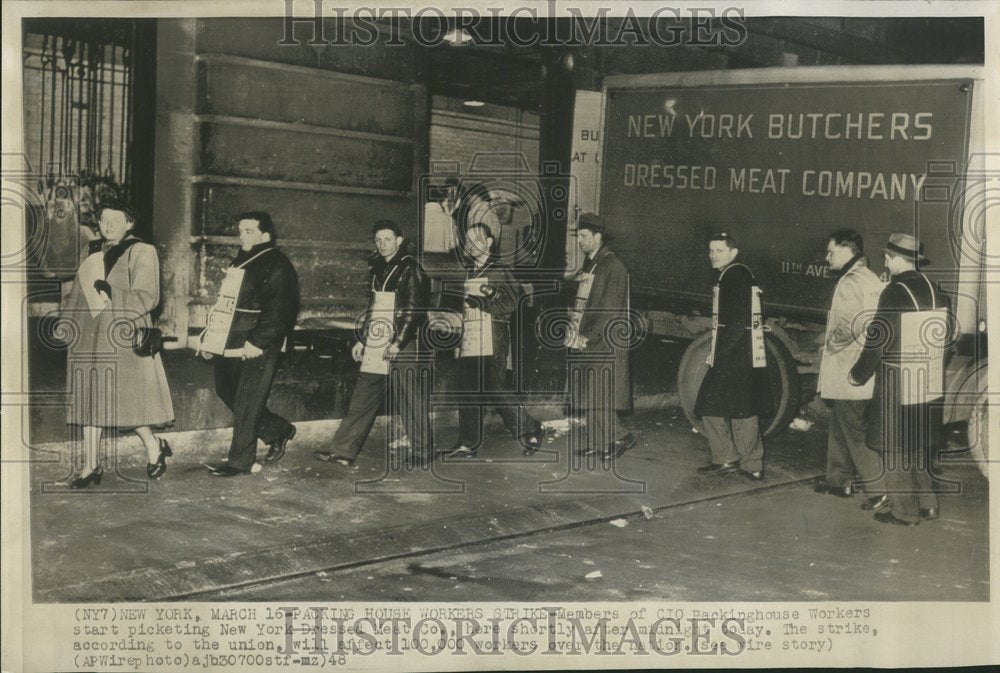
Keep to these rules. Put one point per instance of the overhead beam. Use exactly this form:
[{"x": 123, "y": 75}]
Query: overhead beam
[{"x": 809, "y": 34}]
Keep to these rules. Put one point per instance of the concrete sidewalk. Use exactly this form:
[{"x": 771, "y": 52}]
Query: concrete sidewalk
[{"x": 190, "y": 533}]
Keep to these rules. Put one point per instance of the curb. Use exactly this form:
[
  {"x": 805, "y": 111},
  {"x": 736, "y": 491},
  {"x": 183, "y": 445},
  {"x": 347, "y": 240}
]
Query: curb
[{"x": 211, "y": 443}]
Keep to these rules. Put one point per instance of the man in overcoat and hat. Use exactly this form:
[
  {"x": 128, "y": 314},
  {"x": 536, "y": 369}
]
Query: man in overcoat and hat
[
  {"x": 904, "y": 350},
  {"x": 599, "y": 343},
  {"x": 735, "y": 390}
]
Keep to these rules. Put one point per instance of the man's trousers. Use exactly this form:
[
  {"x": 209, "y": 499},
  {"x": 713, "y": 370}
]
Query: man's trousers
[
  {"x": 591, "y": 384},
  {"x": 847, "y": 454},
  {"x": 485, "y": 378},
  {"x": 244, "y": 386},
  {"x": 735, "y": 439},
  {"x": 408, "y": 386},
  {"x": 909, "y": 482}
]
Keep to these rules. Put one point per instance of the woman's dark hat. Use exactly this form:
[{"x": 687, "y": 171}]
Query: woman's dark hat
[{"x": 904, "y": 245}]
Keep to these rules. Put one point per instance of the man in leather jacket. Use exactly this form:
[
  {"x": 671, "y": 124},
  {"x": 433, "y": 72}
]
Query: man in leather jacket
[
  {"x": 266, "y": 309},
  {"x": 395, "y": 271}
]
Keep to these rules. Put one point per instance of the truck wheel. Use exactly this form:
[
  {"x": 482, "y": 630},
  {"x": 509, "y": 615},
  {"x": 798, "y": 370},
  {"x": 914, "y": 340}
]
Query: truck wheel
[
  {"x": 783, "y": 372},
  {"x": 976, "y": 432}
]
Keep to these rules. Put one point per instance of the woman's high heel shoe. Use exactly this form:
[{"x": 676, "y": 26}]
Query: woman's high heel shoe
[
  {"x": 83, "y": 482},
  {"x": 156, "y": 470}
]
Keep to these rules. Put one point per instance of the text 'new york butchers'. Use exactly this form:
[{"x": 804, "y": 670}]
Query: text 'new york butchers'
[{"x": 787, "y": 126}]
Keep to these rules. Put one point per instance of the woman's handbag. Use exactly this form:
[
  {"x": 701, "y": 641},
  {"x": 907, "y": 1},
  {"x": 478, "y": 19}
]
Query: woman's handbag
[{"x": 148, "y": 341}]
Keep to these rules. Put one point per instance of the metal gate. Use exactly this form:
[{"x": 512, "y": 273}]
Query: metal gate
[
  {"x": 78, "y": 102},
  {"x": 79, "y": 112}
]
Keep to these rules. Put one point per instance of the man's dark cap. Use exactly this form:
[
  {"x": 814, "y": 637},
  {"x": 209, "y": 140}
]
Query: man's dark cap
[{"x": 591, "y": 221}]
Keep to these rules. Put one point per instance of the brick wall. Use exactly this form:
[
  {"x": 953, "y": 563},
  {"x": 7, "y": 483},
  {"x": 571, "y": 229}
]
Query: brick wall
[
  {"x": 488, "y": 142},
  {"x": 458, "y": 133}
]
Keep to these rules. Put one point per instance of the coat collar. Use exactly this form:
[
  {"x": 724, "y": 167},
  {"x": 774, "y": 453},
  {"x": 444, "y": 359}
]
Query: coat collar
[
  {"x": 857, "y": 262},
  {"x": 99, "y": 244},
  {"x": 244, "y": 256},
  {"x": 591, "y": 262},
  {"x": 602, "y": 252},
  {"x": 112, "y": 253},
  {"x": 732, "y": 265}
]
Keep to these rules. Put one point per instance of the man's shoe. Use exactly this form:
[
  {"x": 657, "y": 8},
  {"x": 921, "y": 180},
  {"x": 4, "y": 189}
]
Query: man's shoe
[
  {"x": 718, "y": 468},
  {"x": 225, "y": 470},
  {"x": 845, "y": 491},
  {"x": 532, "y": 441},
  {"x": 889, "y": 517},
  {"x": 929, "y": 514},
  {"x": 875, "y": 504},
  {"x": 754, "y": 475},
  {"x": 330, "y": 457},
  {"x": 460, "y": 451},
  {"x": 277, "y": 450},
  {"x": 620, "y": 446}
]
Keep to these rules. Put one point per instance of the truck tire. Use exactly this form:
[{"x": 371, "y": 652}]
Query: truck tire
[
  {"x": 783, "y": 372},
  {"x": 976, "y": 433}
]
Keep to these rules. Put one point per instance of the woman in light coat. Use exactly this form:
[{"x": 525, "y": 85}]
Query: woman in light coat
[{"x": 110, "y": 385}]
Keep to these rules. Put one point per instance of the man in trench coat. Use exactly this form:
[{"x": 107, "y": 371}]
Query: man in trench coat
[
  {"x": 905, "y": 414},
  {"x": 734, "y": 392},
  {"x": 600, "y": 345},
  {"x": 854, "y": 300}
]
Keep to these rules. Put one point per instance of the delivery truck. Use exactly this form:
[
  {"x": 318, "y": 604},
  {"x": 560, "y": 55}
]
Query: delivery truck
[{"x": 780, "y": 158}]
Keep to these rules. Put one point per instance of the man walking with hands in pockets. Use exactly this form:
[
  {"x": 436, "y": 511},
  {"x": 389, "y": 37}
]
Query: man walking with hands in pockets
[{"x": 855, "y": 298}]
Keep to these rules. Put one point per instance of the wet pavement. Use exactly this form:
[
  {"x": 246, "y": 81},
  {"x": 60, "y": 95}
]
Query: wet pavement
[
  {"x": 783, "y": 544},
  {"x": 500, "y": 527}
]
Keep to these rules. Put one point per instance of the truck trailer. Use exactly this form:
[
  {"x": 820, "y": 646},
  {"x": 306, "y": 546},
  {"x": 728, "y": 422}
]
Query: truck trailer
[{"x": 780, "y": 158}]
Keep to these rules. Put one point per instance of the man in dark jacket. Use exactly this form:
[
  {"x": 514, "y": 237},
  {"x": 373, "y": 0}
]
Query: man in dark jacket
[
  {"x": 388, "y": 349},
  {"x": 492, "y": 297},
  {"x": 266, "y": 309},
  {"x": 904, "y": 350},
  {"x": 599, "y": 344},
  {"x": 735, "y": 389}
]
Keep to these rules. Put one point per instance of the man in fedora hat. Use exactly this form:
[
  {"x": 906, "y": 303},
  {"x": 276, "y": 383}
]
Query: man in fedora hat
[
  {"x": 601, "y": 306},
  {"x": 904, "y": 350}
]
